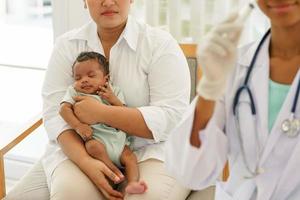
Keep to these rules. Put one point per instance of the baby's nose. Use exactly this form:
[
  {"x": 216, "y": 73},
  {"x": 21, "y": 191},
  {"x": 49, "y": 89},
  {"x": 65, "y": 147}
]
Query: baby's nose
[{"x": 84, "y": 80}]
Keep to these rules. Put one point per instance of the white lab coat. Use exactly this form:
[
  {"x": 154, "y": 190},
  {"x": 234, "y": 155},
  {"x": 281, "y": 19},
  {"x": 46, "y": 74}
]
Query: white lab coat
[{"x": 279, "y": 159}]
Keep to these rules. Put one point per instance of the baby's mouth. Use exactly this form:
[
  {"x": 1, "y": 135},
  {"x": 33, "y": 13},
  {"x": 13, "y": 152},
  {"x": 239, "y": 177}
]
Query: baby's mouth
[{"x": 86, "y": 87}]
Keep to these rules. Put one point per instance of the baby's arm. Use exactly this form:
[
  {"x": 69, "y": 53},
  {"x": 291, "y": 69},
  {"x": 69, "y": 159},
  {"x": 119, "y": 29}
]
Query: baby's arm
[
  {"x": 84, "y": 130},
  {"x": 107, "y": 94}
]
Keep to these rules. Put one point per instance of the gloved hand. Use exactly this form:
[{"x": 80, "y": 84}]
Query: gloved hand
[{"x": 216, "y": 55}]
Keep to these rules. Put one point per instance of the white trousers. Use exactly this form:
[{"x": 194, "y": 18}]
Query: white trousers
[{"x": 68, "y": 182}]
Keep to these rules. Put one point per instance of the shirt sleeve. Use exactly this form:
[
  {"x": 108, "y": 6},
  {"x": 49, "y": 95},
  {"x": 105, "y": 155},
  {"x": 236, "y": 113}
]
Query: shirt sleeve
[
  {"x": 169, "y": 84},
  {"x": 57, "y": 79},
  {"x": 70, "y": 93}
]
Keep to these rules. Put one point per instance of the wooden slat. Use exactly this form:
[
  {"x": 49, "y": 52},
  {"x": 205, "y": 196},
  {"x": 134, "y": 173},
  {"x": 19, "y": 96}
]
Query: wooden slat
[
  {"x": 2, "y": 177},
  {"x": 20, "y": 137},
  {"x": 189, "y": 50},
  {"x": 226, "y": 172}
]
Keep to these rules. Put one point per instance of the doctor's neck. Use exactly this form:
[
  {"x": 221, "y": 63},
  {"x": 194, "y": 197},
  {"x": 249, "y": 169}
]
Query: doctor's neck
[{"x": 285, "y": 42}]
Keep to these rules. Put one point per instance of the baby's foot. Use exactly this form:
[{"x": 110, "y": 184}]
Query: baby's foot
[{"x": 136, "y": 187}]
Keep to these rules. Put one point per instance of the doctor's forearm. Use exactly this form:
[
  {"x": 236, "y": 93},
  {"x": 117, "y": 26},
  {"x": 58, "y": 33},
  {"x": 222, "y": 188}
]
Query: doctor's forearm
[
  {"x": 129, "y": 120},
  {"x": 73, "y": 146},
  {"x": 203, "y": 112}
]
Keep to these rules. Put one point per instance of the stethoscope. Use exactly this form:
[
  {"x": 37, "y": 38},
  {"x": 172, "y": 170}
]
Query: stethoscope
[{"x": 290, "y": 127}]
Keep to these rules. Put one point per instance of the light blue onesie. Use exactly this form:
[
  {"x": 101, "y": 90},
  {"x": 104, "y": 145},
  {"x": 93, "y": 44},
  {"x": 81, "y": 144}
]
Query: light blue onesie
[{"x": 113, "y": 139}]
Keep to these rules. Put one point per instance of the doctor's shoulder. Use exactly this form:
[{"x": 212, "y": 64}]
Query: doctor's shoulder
[
  {"x": 244, "y": 50},
  {"x": 244, "y": 55}
]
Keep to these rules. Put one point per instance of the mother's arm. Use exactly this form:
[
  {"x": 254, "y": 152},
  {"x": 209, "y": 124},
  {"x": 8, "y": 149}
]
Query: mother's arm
[
  {"x": 130, "y": 120},
  {"x": 57, "y": 79}
]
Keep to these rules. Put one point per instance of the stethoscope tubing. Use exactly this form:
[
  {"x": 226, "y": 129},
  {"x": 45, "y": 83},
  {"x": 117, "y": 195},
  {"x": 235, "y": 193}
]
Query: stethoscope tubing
[
  {"x": 296, "y": 99},
  {"x": 245, "y": 84}
]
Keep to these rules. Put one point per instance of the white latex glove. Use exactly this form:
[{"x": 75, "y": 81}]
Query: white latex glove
[{"x": 216, "y": 55}]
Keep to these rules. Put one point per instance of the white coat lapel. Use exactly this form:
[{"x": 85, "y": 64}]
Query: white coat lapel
[
  {"x": 290, "y": 179},
  {"x": 254, "y": 129},
  {"x": 282, "y": 115},
  {"x": 259, "y": 86},
  {"x": 283, "y": 152},
  {"x": 276, "y": 161}
]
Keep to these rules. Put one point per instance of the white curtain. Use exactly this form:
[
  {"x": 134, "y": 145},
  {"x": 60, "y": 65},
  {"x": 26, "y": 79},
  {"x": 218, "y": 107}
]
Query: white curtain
[{"x": 189, "y": 20}]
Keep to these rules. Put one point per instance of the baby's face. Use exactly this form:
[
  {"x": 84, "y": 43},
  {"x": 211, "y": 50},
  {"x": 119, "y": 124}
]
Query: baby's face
[{"x": 88, "y": 77}]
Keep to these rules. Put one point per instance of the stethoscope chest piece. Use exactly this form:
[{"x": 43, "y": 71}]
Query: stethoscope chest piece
[{"x": 291, "y": 127}]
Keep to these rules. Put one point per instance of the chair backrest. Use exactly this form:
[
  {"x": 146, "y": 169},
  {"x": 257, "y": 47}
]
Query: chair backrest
[{"x": 189, "y": 51}]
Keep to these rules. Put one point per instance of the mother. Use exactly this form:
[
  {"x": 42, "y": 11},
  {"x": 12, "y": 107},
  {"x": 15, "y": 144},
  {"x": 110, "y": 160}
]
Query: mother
[{"x": 151, "y": 70}]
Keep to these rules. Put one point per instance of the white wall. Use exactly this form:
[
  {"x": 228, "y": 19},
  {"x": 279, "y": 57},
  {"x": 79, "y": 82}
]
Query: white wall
[
  {"x": 68, "y": 14},
  {"x": 2, "y": 7}
]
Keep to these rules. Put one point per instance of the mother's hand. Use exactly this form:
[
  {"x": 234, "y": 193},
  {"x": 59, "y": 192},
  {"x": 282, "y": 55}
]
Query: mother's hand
[
  {"x": 97, "y": 171},
  {"x": 88, "y": 110}
]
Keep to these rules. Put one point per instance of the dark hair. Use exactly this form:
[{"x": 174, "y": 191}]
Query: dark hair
[{"x": 90, "y": 55}]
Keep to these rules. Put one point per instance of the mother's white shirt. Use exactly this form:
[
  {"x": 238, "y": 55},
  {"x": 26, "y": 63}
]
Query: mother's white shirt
[
  {"x": 148, "y": 66},
  {"x": 278, "y": 154}
]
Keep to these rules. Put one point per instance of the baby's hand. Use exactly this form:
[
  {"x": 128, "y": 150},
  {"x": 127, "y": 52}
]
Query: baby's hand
[
  {"x": 106, "y": 93},
  {"x": 85, "y": 131}
]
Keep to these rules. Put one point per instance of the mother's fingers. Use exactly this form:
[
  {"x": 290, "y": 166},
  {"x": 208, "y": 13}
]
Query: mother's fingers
[
  {"x": 107, "y": 190},
  {"x": 110, "y": 174}
]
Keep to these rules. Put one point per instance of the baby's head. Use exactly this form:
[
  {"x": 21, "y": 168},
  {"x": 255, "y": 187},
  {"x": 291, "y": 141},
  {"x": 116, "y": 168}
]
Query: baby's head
[{"x": 90, "y": 70}]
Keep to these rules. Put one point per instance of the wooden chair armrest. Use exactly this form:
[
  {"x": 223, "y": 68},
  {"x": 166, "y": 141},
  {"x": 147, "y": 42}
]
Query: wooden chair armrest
[
  {"x": 17, "y": 137},
  {"x": 225, "y": 172},
  {"x": 12, "y": 141}
]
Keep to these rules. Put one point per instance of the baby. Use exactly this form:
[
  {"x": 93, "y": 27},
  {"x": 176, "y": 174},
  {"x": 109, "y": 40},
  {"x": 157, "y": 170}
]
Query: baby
[{"x": 105, "y": 143}]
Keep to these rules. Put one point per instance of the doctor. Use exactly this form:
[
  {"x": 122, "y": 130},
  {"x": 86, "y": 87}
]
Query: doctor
[{"x": 254, "y": 122}]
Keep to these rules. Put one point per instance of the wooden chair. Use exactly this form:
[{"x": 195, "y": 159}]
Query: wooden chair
[
  {"x": 11, "y": 142},
  {"x": 190, "y": 53}
]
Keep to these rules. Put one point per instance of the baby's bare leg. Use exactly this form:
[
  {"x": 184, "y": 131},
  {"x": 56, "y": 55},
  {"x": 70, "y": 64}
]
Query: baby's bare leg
[
  {"x": 134, "y": 186},
  {"x": 97, "y": 150}
]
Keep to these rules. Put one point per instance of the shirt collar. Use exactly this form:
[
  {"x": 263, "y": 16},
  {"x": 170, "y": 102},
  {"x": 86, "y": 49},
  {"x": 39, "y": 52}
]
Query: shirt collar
[
  {"x": 247, "y": 53},
  {"x": 88, "y": 32},
  {"x": 130, "y": 33}
]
